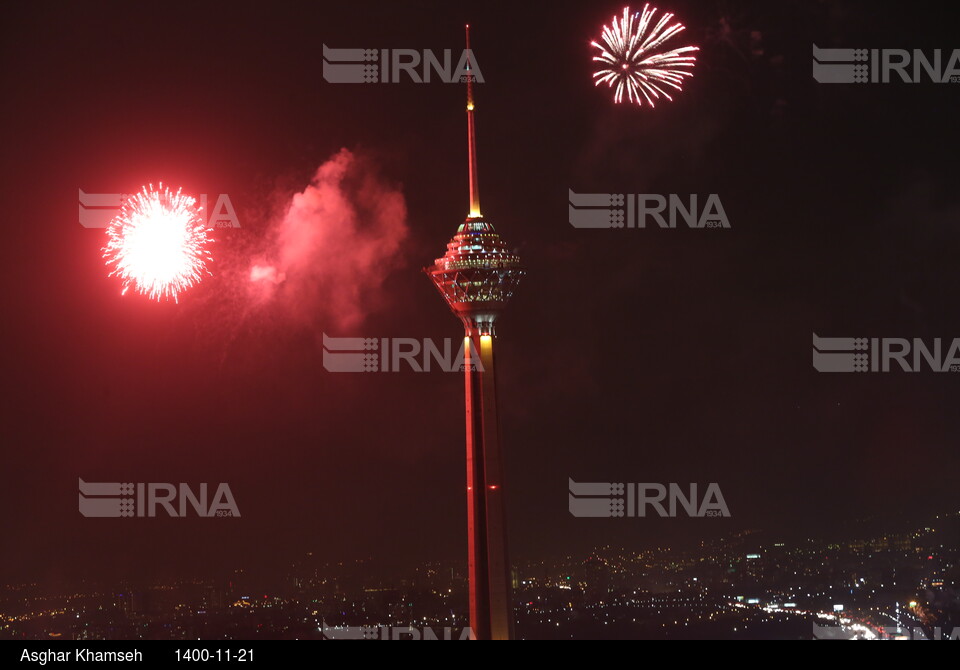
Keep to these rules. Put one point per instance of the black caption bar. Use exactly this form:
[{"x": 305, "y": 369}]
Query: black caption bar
[{"x": 231, "y": 652}]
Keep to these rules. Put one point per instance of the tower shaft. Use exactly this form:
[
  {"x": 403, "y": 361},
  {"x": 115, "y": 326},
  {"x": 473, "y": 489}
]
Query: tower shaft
[{"x": 490, "y": 592}]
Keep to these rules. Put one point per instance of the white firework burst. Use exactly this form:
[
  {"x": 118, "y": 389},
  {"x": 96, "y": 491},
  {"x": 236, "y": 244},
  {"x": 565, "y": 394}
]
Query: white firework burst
[{"x": 631, "y": 62}]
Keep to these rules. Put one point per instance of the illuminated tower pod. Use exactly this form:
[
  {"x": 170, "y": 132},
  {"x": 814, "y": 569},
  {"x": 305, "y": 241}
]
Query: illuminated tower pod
[{"x": 477, "y": 277}]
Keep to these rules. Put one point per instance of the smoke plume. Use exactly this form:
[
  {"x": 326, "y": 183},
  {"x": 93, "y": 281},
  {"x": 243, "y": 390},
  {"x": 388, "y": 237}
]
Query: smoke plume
[{"x": 328, "y": 253}]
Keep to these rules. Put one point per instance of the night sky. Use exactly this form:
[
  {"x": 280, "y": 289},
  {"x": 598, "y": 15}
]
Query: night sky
[{"x": 627, "y": 355}]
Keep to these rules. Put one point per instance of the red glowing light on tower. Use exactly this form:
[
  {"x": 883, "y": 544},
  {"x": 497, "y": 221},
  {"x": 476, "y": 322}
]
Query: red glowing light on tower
[
  {"x": 158, "y": 244},
  {"x": 631, "y": 59}
]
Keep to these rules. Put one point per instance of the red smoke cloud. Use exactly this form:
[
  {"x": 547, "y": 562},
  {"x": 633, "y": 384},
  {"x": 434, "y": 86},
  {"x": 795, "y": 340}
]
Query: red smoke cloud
[{"x": 331, "y": 249}]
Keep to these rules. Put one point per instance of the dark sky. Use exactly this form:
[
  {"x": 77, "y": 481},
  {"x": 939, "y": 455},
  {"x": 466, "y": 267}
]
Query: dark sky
[{"x": 632, "y": 355}]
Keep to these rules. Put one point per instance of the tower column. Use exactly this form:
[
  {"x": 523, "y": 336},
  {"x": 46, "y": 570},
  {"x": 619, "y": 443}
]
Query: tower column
[
  {"x": 490, "y": 600},
  {"x": 476, "y": 500},
  {"x": 501, "y": 615}
]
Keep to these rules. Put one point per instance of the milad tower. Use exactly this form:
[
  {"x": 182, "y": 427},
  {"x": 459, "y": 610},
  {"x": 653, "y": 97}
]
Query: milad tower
[{"x": 477, "y": 277}]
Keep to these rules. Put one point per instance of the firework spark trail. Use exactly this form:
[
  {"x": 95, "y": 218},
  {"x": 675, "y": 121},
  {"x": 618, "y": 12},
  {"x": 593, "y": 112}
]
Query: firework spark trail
[
  {"x": 158, "y": 244},
  {"x": 631, "y": 63}
]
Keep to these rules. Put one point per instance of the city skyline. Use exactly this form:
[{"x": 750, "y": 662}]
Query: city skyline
[{"x": 882, "y": 583}]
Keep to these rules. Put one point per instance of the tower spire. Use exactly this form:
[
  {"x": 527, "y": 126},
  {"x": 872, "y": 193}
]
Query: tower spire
[{"x": 472, "y": 137}]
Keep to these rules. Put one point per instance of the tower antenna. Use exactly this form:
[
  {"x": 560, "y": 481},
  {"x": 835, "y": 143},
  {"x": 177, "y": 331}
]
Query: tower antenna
[{"x": 472, "y": 137}]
